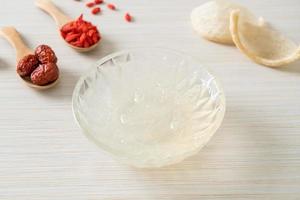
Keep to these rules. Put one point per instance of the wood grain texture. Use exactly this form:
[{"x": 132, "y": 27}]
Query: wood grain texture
[{"x": 254, "y": 155}]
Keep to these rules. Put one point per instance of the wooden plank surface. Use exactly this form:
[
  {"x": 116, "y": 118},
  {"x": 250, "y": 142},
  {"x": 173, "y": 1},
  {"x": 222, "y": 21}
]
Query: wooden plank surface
[{"x": 254, "y": 155}]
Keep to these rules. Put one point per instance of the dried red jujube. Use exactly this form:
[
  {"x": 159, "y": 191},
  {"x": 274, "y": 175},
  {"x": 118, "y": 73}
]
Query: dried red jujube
[
  {"x": 27, "y": 64},
  {"x": 45, "y": 54},
  {"x": 45, "y": 74},
  {"x": 41, "y": 67}
]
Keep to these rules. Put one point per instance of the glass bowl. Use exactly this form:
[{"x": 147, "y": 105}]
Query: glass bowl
[{"x": 149, "y": 107}]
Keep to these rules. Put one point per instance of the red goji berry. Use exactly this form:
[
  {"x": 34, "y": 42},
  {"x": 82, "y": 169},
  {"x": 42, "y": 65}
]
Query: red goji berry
[
  {"x": 96, "y": 10},
  {"x": 111, "y": 6},
  {"x": 68, "y": 27},
  {"x": 90, "y": 4},
  {"x": 128, "y": 17},
  {"x": 80, "y": 18},
  {"x": 98, "y": 1},
  {"x": 77, "y": 44},
  {"x": 63, "y": 34},
  {"x": 72, "y": 36},
  {"x": 83, "y": 28},
  {"x": 95, "y": 38},
  {"x": 82, "y": 38},
  {"x": 91, "y": 32},
  {"x": 90, "y": 41}
]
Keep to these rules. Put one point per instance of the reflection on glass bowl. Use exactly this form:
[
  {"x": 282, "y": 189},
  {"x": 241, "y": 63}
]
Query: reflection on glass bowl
[{"x": 149, "y": 107}]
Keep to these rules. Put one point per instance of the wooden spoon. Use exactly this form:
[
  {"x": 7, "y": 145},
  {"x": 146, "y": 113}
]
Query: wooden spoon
[
  {"x": 61, "y": 19},
  {"x": 14, "y": 38}
]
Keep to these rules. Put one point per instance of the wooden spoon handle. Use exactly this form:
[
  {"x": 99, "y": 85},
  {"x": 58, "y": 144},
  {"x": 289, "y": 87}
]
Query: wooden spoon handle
[
  {"x": 14, "y": 38},
  {"x": 49, "y": 7}
]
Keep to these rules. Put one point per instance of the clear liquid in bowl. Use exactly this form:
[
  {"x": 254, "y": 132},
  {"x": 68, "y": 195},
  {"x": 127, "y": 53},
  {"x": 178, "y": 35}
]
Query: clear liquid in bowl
[{"x": 149, "y": 111}]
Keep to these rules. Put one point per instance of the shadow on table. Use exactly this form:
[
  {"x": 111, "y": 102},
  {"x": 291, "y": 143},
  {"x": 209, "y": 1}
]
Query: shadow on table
[
  {"x": 291, "y": 68},
  {"x": 64, "y": 87},
  {"x": 4, "y": 65},
  {"x": 105, "y": 47}
]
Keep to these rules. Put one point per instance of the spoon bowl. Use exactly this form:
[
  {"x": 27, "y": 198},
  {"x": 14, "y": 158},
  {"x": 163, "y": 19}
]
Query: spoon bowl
[
  {"x": 39, "y": 87},
  {"x": 61, "y": 19},
  {"x": 14, "y": 38},
  {"x": 80, "y": 49}
]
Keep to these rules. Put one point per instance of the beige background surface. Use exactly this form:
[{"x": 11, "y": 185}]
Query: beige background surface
[{"x": 254, "y": 155}]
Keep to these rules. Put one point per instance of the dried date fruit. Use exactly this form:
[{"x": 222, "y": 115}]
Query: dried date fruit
[
  {"x": 45, "y": 54},
  {"x": 27, "y": 65},
  {"x": 45, "y": 74}
]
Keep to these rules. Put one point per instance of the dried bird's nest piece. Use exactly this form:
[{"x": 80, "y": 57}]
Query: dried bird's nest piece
[
  {"x": 211, "y": 20},
  {"x": 262, "y": 43}
]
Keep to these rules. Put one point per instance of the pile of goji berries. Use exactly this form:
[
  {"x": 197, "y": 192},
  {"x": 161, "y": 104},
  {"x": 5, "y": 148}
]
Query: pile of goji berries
[
  {"x": 80, "y": 33},
  {"x": 94, "y": 5}
]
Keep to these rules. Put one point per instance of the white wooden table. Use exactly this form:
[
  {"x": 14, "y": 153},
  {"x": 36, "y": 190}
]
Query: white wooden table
[{"x": 254, "y": 155}]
